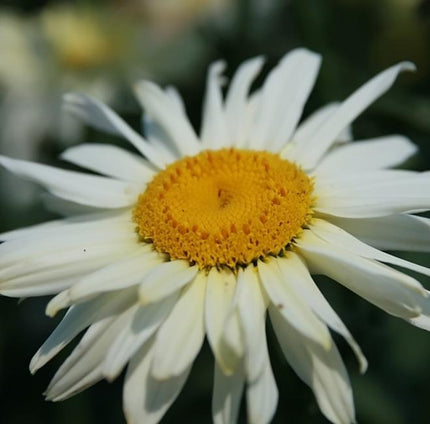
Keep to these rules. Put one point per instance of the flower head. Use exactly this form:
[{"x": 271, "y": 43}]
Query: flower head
[{"x": 204, "y": 235}]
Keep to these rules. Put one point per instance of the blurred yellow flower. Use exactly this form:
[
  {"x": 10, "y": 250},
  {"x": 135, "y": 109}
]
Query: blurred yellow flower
[{"x": 81, "y": 38}]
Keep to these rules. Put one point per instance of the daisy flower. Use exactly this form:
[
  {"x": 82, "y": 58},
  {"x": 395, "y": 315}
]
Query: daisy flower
[{"x": 203, "y": 236}]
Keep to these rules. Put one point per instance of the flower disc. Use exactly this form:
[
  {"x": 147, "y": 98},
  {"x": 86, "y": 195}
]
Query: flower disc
[{"x": 226, "y": 207}]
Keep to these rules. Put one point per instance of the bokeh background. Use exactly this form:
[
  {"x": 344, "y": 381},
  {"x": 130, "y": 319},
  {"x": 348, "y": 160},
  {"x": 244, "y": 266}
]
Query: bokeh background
[{"x": 100, "y": 47}]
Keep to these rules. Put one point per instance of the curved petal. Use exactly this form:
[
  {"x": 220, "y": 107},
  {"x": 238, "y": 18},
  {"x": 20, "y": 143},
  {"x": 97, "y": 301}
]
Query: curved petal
[
  {"x": 120, "y": 274},
  {"x": 340, "y": 238},
  {"x": 102, "y": 117},
  {"x": 39, "y": 241},
  {"x": 412, "y": 232},
  {"x": 214, "y": 127},
  {"x": 322, "y": 370},
  {"x": 163, "y": 110},
  {"x": 181, "y": 336},
  {"x": 165, "y": 279},
  {"x": 78, "y": 318},
  {"x": 262, "y": 395},
  {"x": 290, "y": 306},
  {"x": 81, "y": 188},
  {"x": 67, "y": 208},
  {"x": 283, "y": 96},
  {"x": 313, "y": 149},
  {"x": 146, "y": 399},
  {"x": 237, "y": 103},
  {"x": 365, "y": 155},
  {"x": 252, "y": 305},
  {"x": 157, "y": 134},
  {"x": 143, "y": 324},
  {"x": 46, "y": 265},
  {"x": 84, "y": 365},
  {"x": 110, "y": 160},
  {"x": 55, "y": 279},
  {"x": 423, "y": 320},
  {"x": 310, "y": 125},
  {"x": 220, "y": 292},
  {"x": 394, "y": 292},
  {"x": 227, "y": 393},
  {"x": 80, "y": 223},
  {"x": 373, "y": 194},
  {"x": 293, "y": 269}
]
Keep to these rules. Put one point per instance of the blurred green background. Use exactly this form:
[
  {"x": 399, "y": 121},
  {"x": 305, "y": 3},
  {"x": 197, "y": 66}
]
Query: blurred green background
[{"x": 99, "y": 47}]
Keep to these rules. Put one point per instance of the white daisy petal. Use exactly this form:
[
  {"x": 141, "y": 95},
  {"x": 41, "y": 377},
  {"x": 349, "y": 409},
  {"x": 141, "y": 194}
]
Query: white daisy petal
[
  {"x": 262, "y": 393},
  {"x": 143, "y": 324},
  {"x": 412, "y": 232},
  {"x": 181, "y": 336},
  {"x": 77, "y": 319},
  {"x": 293, "y": 269},
  {"x": 46, "y": 266},
  {"x": 236, "y": 103},
  {"x": 322, "y": 370},
  {"x": 30, "y": 254},
  {"x": 214, "y": 127},
  {"x": 373, "y": 194},
  {"x": 64, "y": 207},
  {"x": 340, "y": 238},
  {"x": 356, "y": 206},
  {"x": 70, "y": 224},
  {"x": 232, "y": 334},
  {"x": 219, "y": 297},
  {"x": 52, "y": 279},
  {"x": 310, "y": 125},
  {"x": 283, "y": 96},
  {"x": 423, "y": 320},
  {"x": 252, "y": 312},
  {"x": 120, "y": 274},
  {"x": 377, "y": 153},
  {"x": 102, "y": 117},
  {"x": 83, "y": 367},
  {"x": 162, "y": 109},
  {"x": 63, "y": 387},
  {"x": 311, "y": 151},
  {"x": 249, "y": 119},
  {"x": 176, "y": 98},
  {"x": 291, "y": 307},
  {"x": 165, "y": 279},
  {"x": 394, "y": 292},
  {"x": 145, "y": 399},
  {"x": 81, "y": 188},
  {"x": 227, "y": 393},
  {"x": 156, "y": 132},
  {"x": 345, "y": 135},
  {"x": 303, "y": 73},
  {"x": 111, "y": 161},
  {"x": 32, "y": 230},
  {"x": 156, "y": 135},
  {"x": 369, "y": 182}
]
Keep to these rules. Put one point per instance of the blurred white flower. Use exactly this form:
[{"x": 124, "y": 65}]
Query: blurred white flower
[{"x": 97, "y": 50}]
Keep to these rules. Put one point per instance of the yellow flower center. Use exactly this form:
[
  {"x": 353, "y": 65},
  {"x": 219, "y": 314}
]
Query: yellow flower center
[{"x": 227, "y": 207}]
